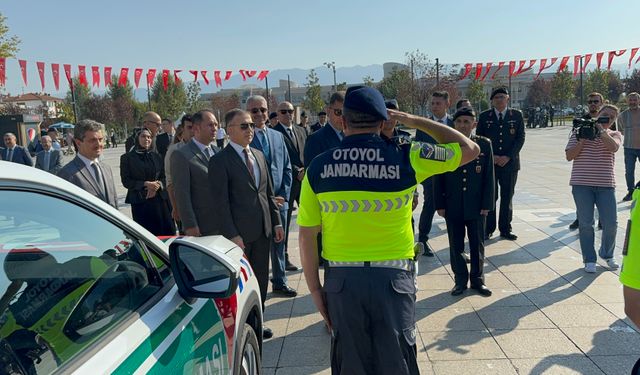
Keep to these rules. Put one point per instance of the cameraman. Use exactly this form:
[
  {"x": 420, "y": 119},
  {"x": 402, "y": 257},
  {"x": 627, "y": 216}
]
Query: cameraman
[{"x": 593, "y": 183}]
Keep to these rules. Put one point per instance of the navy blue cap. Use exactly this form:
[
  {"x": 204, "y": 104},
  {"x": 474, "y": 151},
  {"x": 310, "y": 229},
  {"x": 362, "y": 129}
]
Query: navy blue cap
[
  {"x": 392, "y": 104},
  {"x": 273, "y": 115},
  {"x": 464, "y": 111},
  {"x": 365, "y": 99},
  {"x": 322, "y": 113},
  {"x": 499, "y": 90}
]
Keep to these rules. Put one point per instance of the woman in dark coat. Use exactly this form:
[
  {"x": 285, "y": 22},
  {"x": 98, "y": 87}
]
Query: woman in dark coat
[{"x": 142, "y": 173}]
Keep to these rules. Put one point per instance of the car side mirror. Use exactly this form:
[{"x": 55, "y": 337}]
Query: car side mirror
[{"x": 202, "y": 273}]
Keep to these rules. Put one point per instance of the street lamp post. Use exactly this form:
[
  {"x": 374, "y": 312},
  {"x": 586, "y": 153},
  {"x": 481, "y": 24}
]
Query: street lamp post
[{"x": 332, "y": 65}]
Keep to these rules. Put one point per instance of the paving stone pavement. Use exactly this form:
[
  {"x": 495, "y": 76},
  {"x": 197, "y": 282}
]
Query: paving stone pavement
[{"x": 546, "y": 315}]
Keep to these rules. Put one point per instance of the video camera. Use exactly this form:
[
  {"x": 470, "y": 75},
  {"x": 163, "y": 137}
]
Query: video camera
[{"x": 585, "y": 128}]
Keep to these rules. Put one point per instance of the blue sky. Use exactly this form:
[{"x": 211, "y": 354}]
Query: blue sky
[{"x": 283, "y": 34}]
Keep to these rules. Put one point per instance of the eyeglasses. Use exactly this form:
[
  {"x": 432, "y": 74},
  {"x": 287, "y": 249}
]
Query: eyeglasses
[
  {"x": 285, "y": 111},
  {"x": 337, "y": 111},
  {"x": 256, "y": 110},
  {"x": 245, "y": 126},
  {"x": 593, "y": 101}
]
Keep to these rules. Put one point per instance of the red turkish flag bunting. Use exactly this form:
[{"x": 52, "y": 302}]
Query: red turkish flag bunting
[
  {"x": 151, "y": 76},
  {"x": 263, "y": 74},
  {"x": 613, "y": 54},
  {"x": 124, "y": 77},
  {"x": 467, "y": 70},
  {"x": 563, "y": 63},
  {"x": 55, "y": 71},
  {"x": 251, "y": 73},
  {"x": 587, "y": 58},
  {"x": 82, "y": 75},
  {"x": 67, "y": 72},
  {"x": 576, "y": 64},
  {"x": 512, "y": 68},
  {"x": 522, "y": 69},
  {"x": 95, "y": 76},
  {"x": 175, "y": 75},
  {"x": 165, "y": 79},
  {"x": 543, "y": 65},
  {"x": 107, "y": 76},
  {"x": 242, "y": 73},
  {"x": 23, "y": 70},
  {"x": 216, "y": 76},
  {"x": 3, "y": 71},
  {"x": 40, "y": 66},
  {"x": 203, "y": 73},
  {"x": 599, "y": 59},
  {"x": 137, "y": 73},
  {"x": 195, "y": 75},
  {"x": 478, "y": 71},
  {"x": 487, "y": 68},
  {"x": 227, "y": 76},
  {"x": 633, "y": 54},
  {"x": 500, "y": 65}
]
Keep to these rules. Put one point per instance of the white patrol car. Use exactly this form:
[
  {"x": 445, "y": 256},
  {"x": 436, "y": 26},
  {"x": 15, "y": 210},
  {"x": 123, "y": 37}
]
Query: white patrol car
[{"x": 86, "y": 290}]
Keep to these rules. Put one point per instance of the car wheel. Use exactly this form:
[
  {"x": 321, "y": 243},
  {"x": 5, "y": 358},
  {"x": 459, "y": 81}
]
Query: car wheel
[{"x": 249, "y": 362}]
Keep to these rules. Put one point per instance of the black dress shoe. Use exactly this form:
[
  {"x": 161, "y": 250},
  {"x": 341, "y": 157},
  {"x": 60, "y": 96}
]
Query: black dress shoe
[
  {"x": 285, "y": 291},
  {"x": 267, "y": 333},
  {"x": 428, "y": 250},
  {"x": 290, "y": 266},
  {"x": 509, "y": 236},
  {"x": 483, "y": 290},
  {"x": 628, "y": 197},
  {"x": 458, "y": 290},
  {"x": 574, "y": 225}
]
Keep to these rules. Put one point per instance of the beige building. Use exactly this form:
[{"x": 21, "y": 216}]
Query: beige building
[{"x": 34, "y": 103}]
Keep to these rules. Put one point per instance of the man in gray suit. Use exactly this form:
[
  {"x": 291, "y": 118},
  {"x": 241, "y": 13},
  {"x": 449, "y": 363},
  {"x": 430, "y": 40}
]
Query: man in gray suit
[
  {"x": 15, "y": 153},
  {"x": 189, "y": 172},
  {"x": 49, "y": 160},
  {"x": 86, "y": 170}
]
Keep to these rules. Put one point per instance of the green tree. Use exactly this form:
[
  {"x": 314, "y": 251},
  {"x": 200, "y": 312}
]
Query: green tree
[
  {"x": 596, "y": 80},
  {"x": 538, "y": 94},
  {"x": 193, "y": 98},
  {"x": 477, "y": 96},
  {"x": 368, "y": 81},
  {"x": 397, "y": 85},
  {"x": 313, "y": 100},
  {"x": 8, "y": 44},
  {"x": 99, "y": 108},
  {"x": 562, "y": 88},
  {"x": 82, "y": 94},
  {"x": 615, "y": 87},
  {"x": 171, "y": 102},
  {"x": 115, "y": 91},
  {"x": 632, "y": 83},
  {"x": 122, "y": 102},
  {"x": 342, "y": 86},
  {"x": 65, "y": 112}
]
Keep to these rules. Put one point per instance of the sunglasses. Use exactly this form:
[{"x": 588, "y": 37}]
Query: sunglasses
[
  {"x": 593, "y": 101},
  {"x": 285, "y": 111},
  {"x": 245, "y": 126},
  {"x": 337, "y": 112},
  {"x": 256, "y": 110}
]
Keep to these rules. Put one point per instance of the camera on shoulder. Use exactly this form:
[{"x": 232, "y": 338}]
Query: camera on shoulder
[{"x": 585, "y": 128}]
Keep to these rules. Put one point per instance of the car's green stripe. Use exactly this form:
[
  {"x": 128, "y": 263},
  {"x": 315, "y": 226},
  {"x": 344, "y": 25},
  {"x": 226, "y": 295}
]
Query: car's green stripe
[{"x": 135, "y": 359}]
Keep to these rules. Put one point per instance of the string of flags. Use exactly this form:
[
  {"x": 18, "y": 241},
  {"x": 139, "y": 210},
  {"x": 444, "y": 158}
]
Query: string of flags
[
  {"x": 81, "y": 73},
  {"x": 580, "y": 63}
]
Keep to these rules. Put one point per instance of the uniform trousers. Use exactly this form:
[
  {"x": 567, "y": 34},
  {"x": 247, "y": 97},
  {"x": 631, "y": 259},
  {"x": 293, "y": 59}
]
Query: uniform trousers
[
  {"x": 475, "y": 231},
  {"x": 505, "y": 185},
  {"x": 428, "y": 211},
  {"x": 372, "y": 311},
  {"x": 258, "y": 254}
]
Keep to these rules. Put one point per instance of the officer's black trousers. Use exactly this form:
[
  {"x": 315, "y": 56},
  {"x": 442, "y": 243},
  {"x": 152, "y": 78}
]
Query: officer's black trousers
[
  {"x": 372, "y": 311},
  {"x": 505, "y": 186},
  {"x": 428, "y": 210},
  {"x": 475, "y": 232}
]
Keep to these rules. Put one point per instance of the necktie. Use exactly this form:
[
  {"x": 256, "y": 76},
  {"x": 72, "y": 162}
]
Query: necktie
[
  {"x": 341, "y": 135},
  {"x": 249, "y": 163},
  {"x": 293, "y": 137},
  {"x": 207, "y": 153},
  {"x": 500, "y": 118},
  {"x": 99, "y": 179},
  {"x": 264, "y": 145},
  {"x": 10, "y": 155},
  {"x": 46, "y": 160}
]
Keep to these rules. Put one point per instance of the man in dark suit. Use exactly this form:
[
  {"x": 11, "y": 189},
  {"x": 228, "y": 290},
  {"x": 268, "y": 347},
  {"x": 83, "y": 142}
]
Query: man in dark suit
[
  {"x": 271, "y": 143},
  {"x": 189, "y": 170},
  {"x": 439, "y": 106},
  {"x": 164, "y": 139},
  {"x": 464, "y": 197},
  {"x": 328, "y": 136},
  {"x": 322, "y": 120},
  {"x": 295, "y": 139},
  {"x": 48, "y": 159},
  {"x": 505, "y": 128},
  {"x": 246, "y": 209},
  {"x": 15, "y": 153},
  {"x": 86, "y": 170}
]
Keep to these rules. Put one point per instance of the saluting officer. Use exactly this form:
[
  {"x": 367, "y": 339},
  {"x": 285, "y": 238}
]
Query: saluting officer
[
  {"x": 505, "y": 128},
  {"x": 358, "y": 195},
  {"x": 464, "y": 197}
]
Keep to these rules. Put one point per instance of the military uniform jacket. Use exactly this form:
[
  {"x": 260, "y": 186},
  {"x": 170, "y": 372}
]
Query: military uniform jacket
[
  {"x": 506, "y": 138},
  {"x": 470, "y": 188}
]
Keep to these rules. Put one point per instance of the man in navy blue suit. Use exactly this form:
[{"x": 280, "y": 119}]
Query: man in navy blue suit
[
  {"x": 330, "y": 135},
  {"x": 14, "y": 152},
  {"x": 271, "y": 143}
]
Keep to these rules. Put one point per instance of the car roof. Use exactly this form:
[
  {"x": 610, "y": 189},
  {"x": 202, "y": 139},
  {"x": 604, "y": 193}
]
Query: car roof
[{"x": 22, "y": 176}]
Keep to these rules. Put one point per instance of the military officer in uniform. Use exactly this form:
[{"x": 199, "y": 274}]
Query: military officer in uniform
[
  {"x": 358, "y": 195},
  {"x": 464, "y": 197},
  {"x": 505, "y": 128}
]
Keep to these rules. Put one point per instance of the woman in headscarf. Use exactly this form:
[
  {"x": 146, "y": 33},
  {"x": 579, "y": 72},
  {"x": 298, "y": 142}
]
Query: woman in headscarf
[{"x": 142, "y": 173}]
